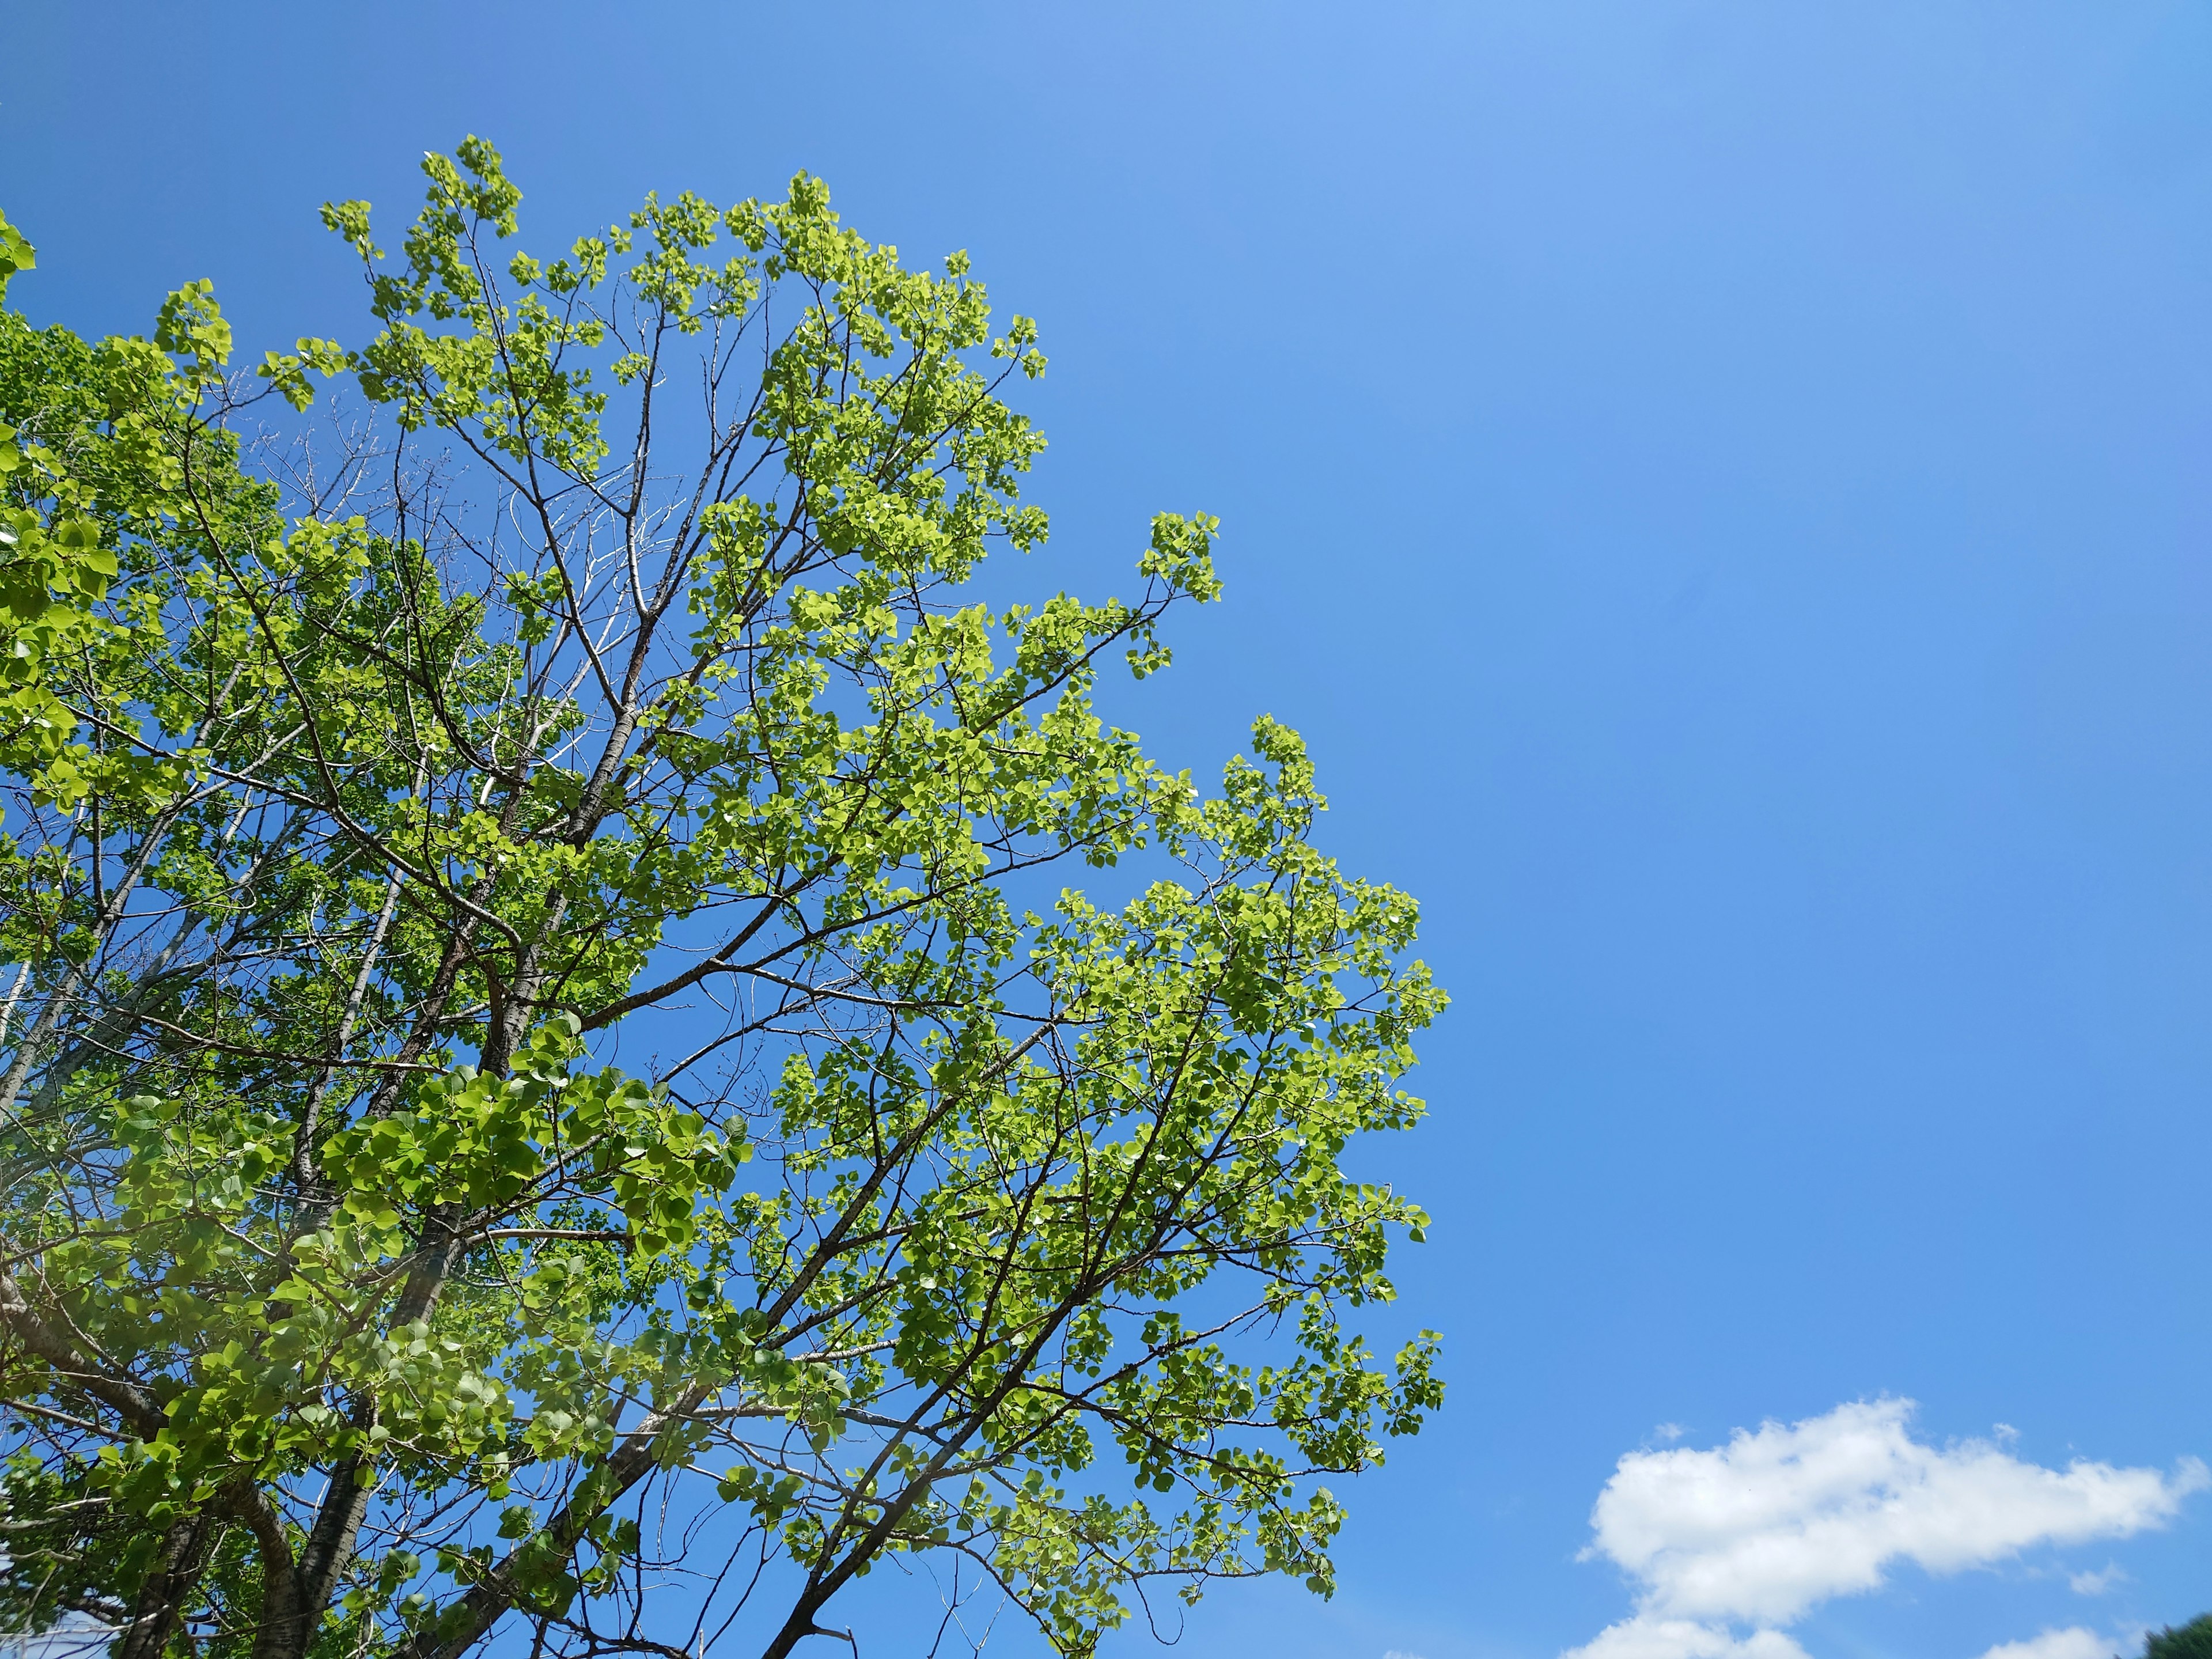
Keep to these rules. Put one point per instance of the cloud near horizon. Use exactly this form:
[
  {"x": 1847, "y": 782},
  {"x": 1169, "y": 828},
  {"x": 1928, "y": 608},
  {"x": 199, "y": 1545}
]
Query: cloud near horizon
[
  {"x": 2074, "y": 1642},
  {"x": 1758, "y": 1532}
]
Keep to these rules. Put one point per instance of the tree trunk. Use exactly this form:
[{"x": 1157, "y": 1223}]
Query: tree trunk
[{"x": 161, "y": 1594}]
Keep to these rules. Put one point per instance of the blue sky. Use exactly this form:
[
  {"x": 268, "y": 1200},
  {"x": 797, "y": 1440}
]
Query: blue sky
[{"x": 1724, "y": 490}]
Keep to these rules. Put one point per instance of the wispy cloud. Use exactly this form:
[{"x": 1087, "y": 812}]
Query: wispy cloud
[
  {"x": 1749, "y": 1536},
  {"x": 2074, "y": 1642},
  {"x": 2096, "y": 1583}
]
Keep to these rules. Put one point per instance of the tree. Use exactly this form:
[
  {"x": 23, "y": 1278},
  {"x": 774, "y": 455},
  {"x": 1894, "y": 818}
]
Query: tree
[
  {"x": 2190, "y": 1641},
  {"x": 370, "y": 793}
]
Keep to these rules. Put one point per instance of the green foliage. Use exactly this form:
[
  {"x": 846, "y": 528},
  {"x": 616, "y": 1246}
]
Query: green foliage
[
  {"x": 16, "y": 253},
  {"x": 2190, "y": 1641},
  {"x": 357, "y": 1301}
]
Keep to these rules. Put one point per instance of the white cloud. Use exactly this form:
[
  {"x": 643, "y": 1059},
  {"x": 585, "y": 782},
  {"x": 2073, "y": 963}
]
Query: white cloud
[
  {"x": 2096, "y": 1583},
  {"x": 1757, "y": 1531},
  {"x": 2072, "y": 1643},
  {"x": 1646, "y": 1637}
]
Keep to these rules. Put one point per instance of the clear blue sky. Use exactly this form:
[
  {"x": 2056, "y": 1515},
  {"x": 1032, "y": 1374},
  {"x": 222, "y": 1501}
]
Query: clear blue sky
[{"x": 1724, "y": 488}]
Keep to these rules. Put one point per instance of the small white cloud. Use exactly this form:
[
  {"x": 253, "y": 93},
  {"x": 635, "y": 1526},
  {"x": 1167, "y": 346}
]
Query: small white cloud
[
  {"x": 1669, "y": 1432},
  {"x": 1394, "y": 1654},
  {"x": 1757, "y": 1532},
  {"x": 1781, "y": 1519},
  {"x": 1646, "y": 1637},
  {"x": 2073, "y": 1643},
  {"x": 2096, "y": 1583}
]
